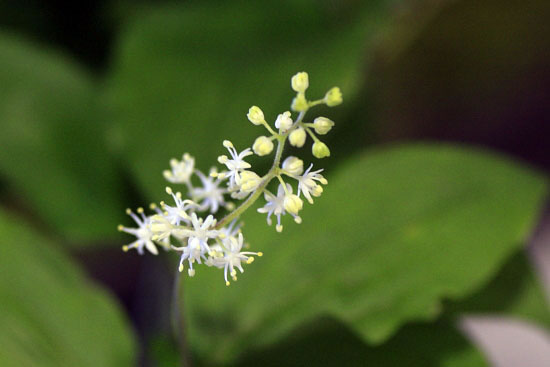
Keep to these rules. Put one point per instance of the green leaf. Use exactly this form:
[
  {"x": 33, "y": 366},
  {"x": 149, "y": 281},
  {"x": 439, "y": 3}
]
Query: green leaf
[
  {"x": 396, "y": 230},
  {"x": 51, "y": 315},
  {"x": 515, "y": 291},
  {"x": 328, "y": 343},
  {"x": 185, "y": 76},
  {"x": 53, "y": 152}
]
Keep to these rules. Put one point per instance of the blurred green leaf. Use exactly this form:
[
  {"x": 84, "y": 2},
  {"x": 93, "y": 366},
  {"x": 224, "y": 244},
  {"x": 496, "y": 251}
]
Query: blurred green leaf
[
  {"x": 329, "y": 343},
  {"x": 396, "y": 230},
  {"x": 53, "y": 150},
  {"x": 185, "y": 76},
  {"x": 50, "y": 314},
  {"x": 513, "y": 292}
]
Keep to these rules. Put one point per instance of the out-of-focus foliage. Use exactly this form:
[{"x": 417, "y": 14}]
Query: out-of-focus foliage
[
  {"x": 514, "y": 292},
  {"x": 438, "y": 221},
  {"x": 328, "y": 343},
  {"x": 184, "y": 76},
  {"x": 396, "y": 234},
  {"x": 50, "y": 314},
  {"x": 53, "y": 152}
]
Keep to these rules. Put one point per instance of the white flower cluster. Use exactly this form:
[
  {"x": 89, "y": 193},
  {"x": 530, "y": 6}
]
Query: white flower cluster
[{"x": 201, "y": 239}]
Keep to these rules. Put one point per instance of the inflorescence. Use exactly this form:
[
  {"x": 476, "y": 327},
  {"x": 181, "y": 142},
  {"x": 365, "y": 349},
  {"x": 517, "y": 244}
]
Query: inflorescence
[{"x": 201, "y": 239}]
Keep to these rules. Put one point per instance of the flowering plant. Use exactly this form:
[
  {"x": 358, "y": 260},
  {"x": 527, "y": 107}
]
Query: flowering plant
[{"x": 180, "y": 227}]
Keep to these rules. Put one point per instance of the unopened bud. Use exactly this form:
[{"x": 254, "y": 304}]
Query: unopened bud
[
  {"x": 322, "y": 125},
  {"x": 293, "y": 204},
  {"x": 255, "y": 115},
  {"x": 300, "y": 82},
  {"x": 249, "y": 181},
  {"x": 297, "y": 137},
  {"x": 262, "y": 146},
  {"x": 320, "y": 150},
  {"x": 293, "y": 165},
  {"x": 299, "y": 103},
  {"x": 333, "y": 97}
]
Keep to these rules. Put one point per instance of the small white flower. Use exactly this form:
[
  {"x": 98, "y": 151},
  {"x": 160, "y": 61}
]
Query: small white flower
[
  {"x": 178, "y": 213},
  {"x": 308, "y": 186},
  {"x": 192, "y": 253},
  {"x": 232, "y": 229},
  {"x": 143, "y": 233},
  {"x": 202, "y": 230},
  {"x": 284, "y": 121},
  {"x": 234, "y": 165},
  {"x": 230, "y": 257},
  {"x": 197, "y": 243},
  {"x": 276, "y": 205},
  {"x": 181, "y": 170},
  {"x": 293, "y": 166},
  {"x": 210, "y": 195}
]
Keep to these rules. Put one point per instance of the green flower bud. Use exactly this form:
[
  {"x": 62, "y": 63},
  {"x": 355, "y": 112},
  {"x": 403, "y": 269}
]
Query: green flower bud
[
  {"x": 300, "y": 82},
  {"x": 322, "y": 125},
  {"x": 333, "y": 97},
  {"x": 320, "y": 150},
  {"x": 299, "y": 103},
  {"x": 255, "y": 115}
]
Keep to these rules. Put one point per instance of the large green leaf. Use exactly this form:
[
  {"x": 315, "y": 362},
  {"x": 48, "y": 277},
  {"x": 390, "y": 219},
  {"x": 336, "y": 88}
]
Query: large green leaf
[
  {"x": 53, "y": 152},
  {"x": 50, "y": 314},
  {"x": 396, "y": 230},
  {"x": 184, "y": 76}
]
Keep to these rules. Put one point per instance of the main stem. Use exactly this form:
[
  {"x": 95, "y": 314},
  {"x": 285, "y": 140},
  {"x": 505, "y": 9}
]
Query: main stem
[
  {"x": 178, "y": 326},
  {"x": 273, "y": 172}
]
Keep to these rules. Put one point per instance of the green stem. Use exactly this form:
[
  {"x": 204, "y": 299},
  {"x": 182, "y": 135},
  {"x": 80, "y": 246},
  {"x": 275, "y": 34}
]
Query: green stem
[{"x": 178, "y": 326}]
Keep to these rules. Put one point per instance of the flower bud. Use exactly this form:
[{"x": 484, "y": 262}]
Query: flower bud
[
  {"x": 333, "y": 97},
  {"x": 320, "y": 150},
  {"x": 283, "y": 122},
  {"x": 297, "y": 137},
  {"x": 293, "y": 165},
  {"x": 322, "y": 125},
  {"x": 293, "y": 204},
  {"x": 300, "y": 82},
  {"x": 249, "y": 181},
  {"x": 256, "y": 115},
  {"x": 262, "y": 146},
  {"x": 299, "y": 103}
]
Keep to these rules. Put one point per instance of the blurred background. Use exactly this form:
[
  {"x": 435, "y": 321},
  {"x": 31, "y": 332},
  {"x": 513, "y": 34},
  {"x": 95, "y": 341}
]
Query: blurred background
[{"x": 438, "y": 181}]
